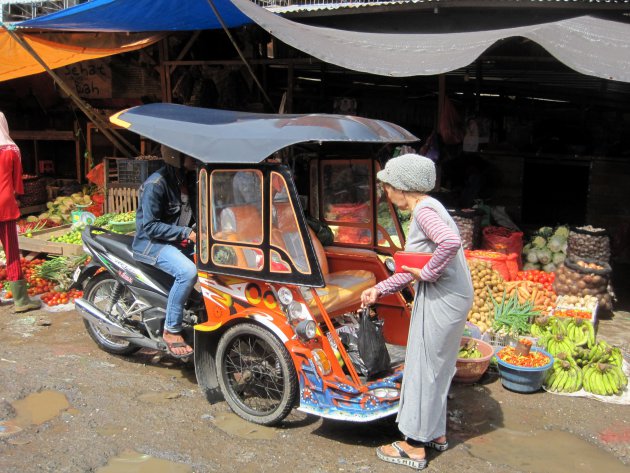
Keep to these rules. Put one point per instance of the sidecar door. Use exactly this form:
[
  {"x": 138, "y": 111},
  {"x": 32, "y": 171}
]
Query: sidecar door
[{"x": 251, "y": 225}]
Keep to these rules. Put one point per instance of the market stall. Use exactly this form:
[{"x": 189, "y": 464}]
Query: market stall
[{"x": 540, "y": 316}]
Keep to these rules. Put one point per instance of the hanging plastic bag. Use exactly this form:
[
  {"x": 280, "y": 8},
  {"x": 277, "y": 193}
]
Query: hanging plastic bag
[{"x": 371, "y": 344}]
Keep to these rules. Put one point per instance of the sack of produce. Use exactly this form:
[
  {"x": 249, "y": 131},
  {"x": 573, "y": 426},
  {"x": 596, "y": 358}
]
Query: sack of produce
[
  {"x": 468, "y": 222},
  {"x": 583, "y": 276},
  {"x": 589, "y": 242},
  {"x": 502, "y": 240},
  {"x": 489, "y": 287},
  {"x": 505, "y": 265}
]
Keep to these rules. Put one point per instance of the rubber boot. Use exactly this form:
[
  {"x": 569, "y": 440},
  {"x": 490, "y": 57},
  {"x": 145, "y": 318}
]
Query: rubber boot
[{"x": 21, "y": 301}]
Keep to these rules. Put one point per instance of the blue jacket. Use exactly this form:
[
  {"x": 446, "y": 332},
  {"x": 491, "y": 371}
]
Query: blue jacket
[{"x": 159, "y": 208}]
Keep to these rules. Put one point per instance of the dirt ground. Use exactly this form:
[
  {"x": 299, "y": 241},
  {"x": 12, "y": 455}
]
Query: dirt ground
[{"x": 69, "y": 407}]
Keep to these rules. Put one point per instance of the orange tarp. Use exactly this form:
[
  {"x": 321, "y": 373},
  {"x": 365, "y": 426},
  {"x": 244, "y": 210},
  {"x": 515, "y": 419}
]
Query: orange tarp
[{"x": 61, "y": 49}]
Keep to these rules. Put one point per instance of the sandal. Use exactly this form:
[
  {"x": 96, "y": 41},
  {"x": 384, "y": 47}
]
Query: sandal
[
  {"x": 439, "y": 446},
  {"x": 403, "y": 458},
  {"x": 182, "y": 344}
]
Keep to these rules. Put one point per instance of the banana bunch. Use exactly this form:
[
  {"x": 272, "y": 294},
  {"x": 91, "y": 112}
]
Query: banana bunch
[
  {"x": 469, "y": 350},
  {"x": 557, "y": 343},
  {"x": 580, "y": 332},
  {"x": 604, "y": 379},
  {"x": 543, "y": 326},
  {"x": 602, "y": 352},
  {"x": 582, "y": 355},
  {"x": 565, "y": 376}
]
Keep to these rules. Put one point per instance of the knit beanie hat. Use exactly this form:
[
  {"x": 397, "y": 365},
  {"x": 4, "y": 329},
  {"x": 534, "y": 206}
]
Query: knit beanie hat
[{"x": 409, "y": 172}]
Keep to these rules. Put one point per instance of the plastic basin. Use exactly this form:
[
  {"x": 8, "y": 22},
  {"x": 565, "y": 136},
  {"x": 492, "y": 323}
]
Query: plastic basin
[
  {"x": 123, "y": 227},
  {"x": 470, "y": 370},
  {"x": 521, "y": 379}
]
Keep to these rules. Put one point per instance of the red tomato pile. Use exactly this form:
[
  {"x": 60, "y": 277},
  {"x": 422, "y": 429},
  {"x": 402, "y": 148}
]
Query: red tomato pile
[
  {"x": 53, "y": 298},
  {"x": 535, "y": 275},
  {"x": 35, "y": 285}
]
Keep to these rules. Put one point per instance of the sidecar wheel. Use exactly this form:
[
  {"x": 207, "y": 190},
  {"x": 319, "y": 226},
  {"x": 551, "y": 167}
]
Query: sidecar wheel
[
  {"x": 97, "y": 292},
  {"x": 256, "y": 374}
]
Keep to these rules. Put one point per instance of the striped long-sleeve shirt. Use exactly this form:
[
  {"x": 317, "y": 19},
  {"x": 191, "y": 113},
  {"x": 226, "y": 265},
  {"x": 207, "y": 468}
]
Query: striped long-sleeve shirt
[{"x": 447, "y": 241}]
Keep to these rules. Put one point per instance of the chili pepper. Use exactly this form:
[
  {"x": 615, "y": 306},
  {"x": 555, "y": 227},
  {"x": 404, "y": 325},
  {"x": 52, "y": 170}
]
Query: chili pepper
[{"x": 535, "y": 359}]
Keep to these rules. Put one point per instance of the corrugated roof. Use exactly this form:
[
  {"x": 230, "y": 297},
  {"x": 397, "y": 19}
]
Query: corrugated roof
[{"x": 290, "y": 6}]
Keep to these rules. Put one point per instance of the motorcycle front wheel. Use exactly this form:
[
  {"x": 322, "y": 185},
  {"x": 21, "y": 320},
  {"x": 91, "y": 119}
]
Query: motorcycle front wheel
[
  {"x": 98, "y": 292},
  {"x": 256, "y": 374}
]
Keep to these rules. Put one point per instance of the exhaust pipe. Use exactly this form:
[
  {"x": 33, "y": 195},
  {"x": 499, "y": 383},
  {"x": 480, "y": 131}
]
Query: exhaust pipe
[{"x": 97, "y": 317}]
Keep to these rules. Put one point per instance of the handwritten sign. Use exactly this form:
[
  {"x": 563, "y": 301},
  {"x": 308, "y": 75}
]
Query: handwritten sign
[{"x": 90, "y": 79}]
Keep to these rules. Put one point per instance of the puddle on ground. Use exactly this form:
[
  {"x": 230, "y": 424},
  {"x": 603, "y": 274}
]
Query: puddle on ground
[
  {"x": 543, "y": 452},
  {"x": 134, "y": 462},
  {"x": 233, "y": 425},
  {"x": 35, "y": 409}
]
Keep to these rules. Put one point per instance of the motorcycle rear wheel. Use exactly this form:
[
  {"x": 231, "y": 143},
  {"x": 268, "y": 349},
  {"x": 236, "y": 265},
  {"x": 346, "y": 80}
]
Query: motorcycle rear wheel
[
  {"x": 256, "y": 374},
  {"x": 98, "y": 292}
]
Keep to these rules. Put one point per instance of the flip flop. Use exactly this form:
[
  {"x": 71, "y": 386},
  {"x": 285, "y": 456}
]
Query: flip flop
[
  {"x": 439, "y": 446},
  {"x": 170, "y": 346},
  {"x": 403, "y": 458}
]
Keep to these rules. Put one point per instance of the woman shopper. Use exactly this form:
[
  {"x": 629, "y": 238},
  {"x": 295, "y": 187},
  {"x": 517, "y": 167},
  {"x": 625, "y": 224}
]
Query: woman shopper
[
  {"x": 10, "y": 187},
  {"x": 444, "y": 295}
]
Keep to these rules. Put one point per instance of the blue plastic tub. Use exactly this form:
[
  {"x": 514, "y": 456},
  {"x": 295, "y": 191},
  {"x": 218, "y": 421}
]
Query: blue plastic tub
[{"x": 523, "y": 380}]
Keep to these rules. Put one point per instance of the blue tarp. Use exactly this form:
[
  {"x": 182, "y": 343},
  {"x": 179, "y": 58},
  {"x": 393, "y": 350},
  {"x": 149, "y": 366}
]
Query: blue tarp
[{"x": 141, "y": 15}]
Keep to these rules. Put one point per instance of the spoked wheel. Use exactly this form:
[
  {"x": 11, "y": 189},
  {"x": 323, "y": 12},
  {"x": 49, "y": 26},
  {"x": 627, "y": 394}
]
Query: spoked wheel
[
  {"x": 99, "y": 293},
  {"x": 256, "y": 374}
]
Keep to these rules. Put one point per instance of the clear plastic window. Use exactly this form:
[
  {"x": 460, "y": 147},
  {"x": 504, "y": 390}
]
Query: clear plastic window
[
  {"x": 346, "y": 200},
  {"x": 285, "y": 234},
  {"x": 237, "y": 217},
  {"x": 202, "y": 240}
]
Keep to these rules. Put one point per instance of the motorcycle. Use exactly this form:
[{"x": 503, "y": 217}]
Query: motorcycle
[
  {"x": 274, "y": 303},
  {"x": 124, "y": 301}
]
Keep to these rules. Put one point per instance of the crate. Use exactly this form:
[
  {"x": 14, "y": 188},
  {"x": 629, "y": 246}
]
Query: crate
[
  {"x": 499, "y": 341},
  {"x": 133, "y": 171},
  {"x": 121, "y": 200},
  {"x": 39, "y": 243}
]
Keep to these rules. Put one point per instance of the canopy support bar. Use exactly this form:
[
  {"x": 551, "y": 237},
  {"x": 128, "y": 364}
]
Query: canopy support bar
[
  {"x": 240, "y": 53},
  {"x": 117, "y": 140}
]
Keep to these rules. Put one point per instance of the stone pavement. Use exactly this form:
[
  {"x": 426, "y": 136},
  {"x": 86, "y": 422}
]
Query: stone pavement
[{"x": 616, "y": 331}]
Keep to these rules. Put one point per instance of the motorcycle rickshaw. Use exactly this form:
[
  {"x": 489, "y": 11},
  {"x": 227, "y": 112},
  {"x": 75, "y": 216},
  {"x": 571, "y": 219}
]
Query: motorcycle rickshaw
[{"x": 267, "y": 337}]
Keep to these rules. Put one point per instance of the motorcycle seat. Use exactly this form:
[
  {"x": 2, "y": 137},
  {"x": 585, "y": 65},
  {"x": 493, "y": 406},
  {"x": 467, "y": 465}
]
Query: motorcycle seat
[{"x": 120, "y": 246}]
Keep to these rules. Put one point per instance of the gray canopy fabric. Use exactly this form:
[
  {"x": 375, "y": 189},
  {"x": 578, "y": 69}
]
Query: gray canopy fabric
[
  {"x": 223, "y": 136},
  {"x": 589, "y": 45}
]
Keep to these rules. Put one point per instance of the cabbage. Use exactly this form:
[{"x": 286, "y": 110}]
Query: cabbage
[
  {"x": 544, "y": 256},
  {"x": 558, "y": 258},
  {"x": 545, "y": 231},
  {"x": 539, "y": 242},
  {"x": 549, "y": 268},
  {"x": 532, "y": 257},
  {"x": 556, "y": 243},
  {"x": 562, "y": 231},
  {"x": 528, "y": 266}
]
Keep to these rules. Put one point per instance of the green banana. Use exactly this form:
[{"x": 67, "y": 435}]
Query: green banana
[{"x": 558, "y": 380}]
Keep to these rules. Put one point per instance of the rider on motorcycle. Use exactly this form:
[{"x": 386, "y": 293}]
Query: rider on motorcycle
[{"x": 164, "y": 226}]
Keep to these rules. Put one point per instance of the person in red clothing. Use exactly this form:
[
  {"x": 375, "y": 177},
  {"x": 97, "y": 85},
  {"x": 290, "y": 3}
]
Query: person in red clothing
[{"x": 10, "y": 187}]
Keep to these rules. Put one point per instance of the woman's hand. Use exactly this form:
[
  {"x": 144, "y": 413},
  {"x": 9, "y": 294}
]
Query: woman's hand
[
  {"x": 369, "y": 297},
  {"x": 193, "y": 237},
  {"x": 415, "y": 272}
]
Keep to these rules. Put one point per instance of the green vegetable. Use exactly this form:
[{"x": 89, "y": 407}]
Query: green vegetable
[
  {"x": 539, "y": 242},
  {"x": 513, "y": 317}
]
